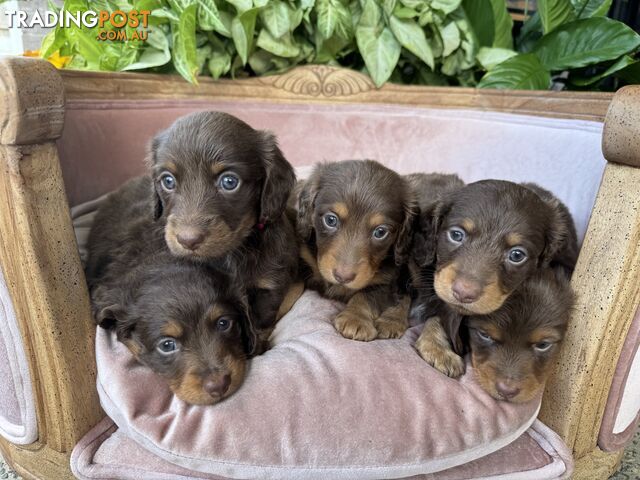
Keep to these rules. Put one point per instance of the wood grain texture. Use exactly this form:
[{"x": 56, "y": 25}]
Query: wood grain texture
[
  {"x": 608, "y": 294},
  {"x": 40, "y": 261},
  {"x": 324, "y": 84},
  {"x": 31, "y": 100}
]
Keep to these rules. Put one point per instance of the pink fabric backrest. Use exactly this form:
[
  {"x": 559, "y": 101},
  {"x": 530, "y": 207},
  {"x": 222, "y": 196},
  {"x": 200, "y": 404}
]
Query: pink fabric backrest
[
  {"x": 104, "y": 143},
  {"x": 17, "y": 409}
]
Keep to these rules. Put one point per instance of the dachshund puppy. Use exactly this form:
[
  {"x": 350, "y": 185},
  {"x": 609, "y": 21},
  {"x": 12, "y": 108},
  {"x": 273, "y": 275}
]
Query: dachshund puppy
[
  {"x": 513, "y": 348},
  {"x": 216, "y": 194},
  {"x": 186, "y": 322},
  {"x": 354, "y": 218},
  {"x": 478, "y": 243}
]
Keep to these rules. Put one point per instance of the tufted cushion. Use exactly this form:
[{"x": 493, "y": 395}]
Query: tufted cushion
[{"x": 17, "y": 409}]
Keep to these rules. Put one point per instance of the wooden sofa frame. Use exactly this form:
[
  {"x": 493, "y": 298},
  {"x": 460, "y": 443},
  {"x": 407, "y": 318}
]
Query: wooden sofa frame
[{"x": 45, "y": 279}]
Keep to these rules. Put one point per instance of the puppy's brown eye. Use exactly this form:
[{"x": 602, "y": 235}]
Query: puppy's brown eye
[
  {"x": 381, "y": 232},
  {"x": 331, "y": 221},
  {"x": 229, "y": 182},
  {"x": 456, "y": 235},
  {"x": 168, "y": 181},
  {"x": 517, "y": 255},
  {"x": 542, "y": 347},
  {"x": 223, "y": 324},
  {"x": 167, "y": 345}
]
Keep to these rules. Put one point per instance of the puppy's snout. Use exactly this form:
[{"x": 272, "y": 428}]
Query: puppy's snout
[
  {"x": 343, "y": 275},
  {"x": 466, "y": 291},
  {"x": 507, "y": 390},
  {"x": 217, "y": 386},
  {"x": 190, "y": 238}
]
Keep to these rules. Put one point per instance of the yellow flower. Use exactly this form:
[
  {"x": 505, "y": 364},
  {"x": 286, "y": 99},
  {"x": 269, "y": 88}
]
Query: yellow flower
[{"x": 56, "y": 60}]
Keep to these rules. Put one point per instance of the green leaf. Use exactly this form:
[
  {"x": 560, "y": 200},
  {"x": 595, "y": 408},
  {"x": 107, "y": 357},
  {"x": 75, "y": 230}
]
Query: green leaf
[
  {"x": 242, "y": 28},
  {"x": 591, "y": 8},
  {"x": 275, "y": 17},
  {"x": 282, "y": 47},
  {"x": 165, "y": 13},
  {"x": 522, "y": 72},
  {"x": 480, "y": 15},
  {"x": 554, "y": 13},
  {"x": 630, "y": 74},
  {"x": 412, "y": 37},
  {"x": 333, "y": 16},
  {"x": 52, "y": 42},
  {"x": 404, "y": 12},
  {"x": 503, "y": 23},
  {"x": 371, "y": 15},
  {"x": 209, "y": 17},
  {"x": 84, "y": 42},
  {"x": 446, "y": 6},
  {"x": 490, "y": 57},
  {"x": 151, "y": 57},
  {"x": 219, "y": 63},
  {"x": 388, "y": 6},
  {"x": 450, "y": 38},
  {"x": 241, "y": 5},
  {"x": 622, "y": 63},
  {"x": 586, "y": 42},
  {"x": 184, "y": 55},
  {"x": 380, "y": 51}
]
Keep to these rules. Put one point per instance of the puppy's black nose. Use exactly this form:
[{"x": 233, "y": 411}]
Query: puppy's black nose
[
  {"x": 190, "y": 239},
  {"x": 343, "y": 276},
  {"x": 217, "y": 386},
  {"x": 507, "y": 390},
  {"x": 466, "y": 291}
]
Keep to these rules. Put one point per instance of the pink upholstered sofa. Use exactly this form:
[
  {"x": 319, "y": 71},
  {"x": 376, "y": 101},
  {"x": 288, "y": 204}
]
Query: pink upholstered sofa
[{"x": 66, "y": 138}]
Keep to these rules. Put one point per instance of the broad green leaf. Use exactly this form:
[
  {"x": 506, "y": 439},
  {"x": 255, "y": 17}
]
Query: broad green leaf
[
  {"x": 530, "y": 33},
  {"x": 388, "y": 6},
  {"x": 282, "y": 47},
  {"x": 202, "y": 55},
  {"x": 179, "y": 6},
  {"x": 503, "y": 24},
  {"x": 522, "y": 72},
  {"x": 490, "y": 57},
  {"x": 371, "y": 15},
  {"x": 380, "y": 51},
  {"x": 209, "y": 17},
  {"x": 452, "y": 64},
  {"x": 52, "y": 42},
  {"x": 241, "y": 5},
  {"x": 242, "y": 28},
  {"x": 260, "y": 61},
  {"x": 446, "y": 6},
  {"x": 621, "y": 64},
  {"x": 450, "y": 38},
  {"x": 591, "y": 8},
  {"x": 151, "y": 57},
  {"x": 586, "y": 42},
  {"x": 554, "y": 13},
  {"x": 158, "y": 40},
  {"x": 275, "y": 16},
  {"x": 480, "y": 15},
  {"x": 412, "y": 37},
  {"x": 165, "y": 13},
  {"x": 84, "y": 42},
  {"x": 219, "y": 63},
  {"x": 184, "y": 56},
  {"x": 404, "y": 12},
  {"x": 307, "y": 4},
  {"x": 333, "y": 16}
]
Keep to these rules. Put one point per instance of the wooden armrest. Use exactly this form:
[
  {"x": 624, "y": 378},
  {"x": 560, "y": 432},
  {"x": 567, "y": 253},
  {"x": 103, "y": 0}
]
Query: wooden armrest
[{"x": 39, "y": 258}]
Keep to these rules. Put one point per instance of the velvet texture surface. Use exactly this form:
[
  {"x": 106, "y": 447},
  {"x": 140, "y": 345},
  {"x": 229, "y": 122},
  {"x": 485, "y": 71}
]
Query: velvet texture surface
[{"x": 315, "y": 406}]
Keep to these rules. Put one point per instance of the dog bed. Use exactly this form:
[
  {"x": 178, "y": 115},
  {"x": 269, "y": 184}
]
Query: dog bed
[{"x": 315, "y": 406}]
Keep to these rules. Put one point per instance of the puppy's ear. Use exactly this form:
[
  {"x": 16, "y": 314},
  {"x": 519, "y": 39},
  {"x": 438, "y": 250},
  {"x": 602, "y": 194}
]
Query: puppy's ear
[
  {"x": 561, "y": 242},
  {"x": 425, "y": 236},
  {"x": 250, "y": 339},
  {"x": 306, "y": 203},
  {"x": 405, "y": 235},
  {"x": 279, "y": 180},
  {"x": 157, "y": 207}
]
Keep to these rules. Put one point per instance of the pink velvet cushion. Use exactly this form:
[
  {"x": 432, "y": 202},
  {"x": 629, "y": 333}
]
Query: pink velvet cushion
[
  {"x": 107, "y": 453},
  {"x": 315, "y": 406}
]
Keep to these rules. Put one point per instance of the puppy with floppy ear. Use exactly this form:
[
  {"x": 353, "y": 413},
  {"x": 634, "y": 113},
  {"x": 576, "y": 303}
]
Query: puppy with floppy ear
[
  {"x": 478, "y": 243},
  {"x": 355, "y": 219},
  {"x": 218, "y": 191},
  {"x": 186, "y": 322}
]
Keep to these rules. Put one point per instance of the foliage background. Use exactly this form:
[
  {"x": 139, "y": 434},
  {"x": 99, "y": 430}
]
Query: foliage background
[{"x": 567, "y": 43}]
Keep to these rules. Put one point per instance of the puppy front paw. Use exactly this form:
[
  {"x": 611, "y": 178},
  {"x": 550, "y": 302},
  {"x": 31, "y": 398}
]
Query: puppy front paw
[
  {"x": 434, "y": 348},
  {"x": 390, "y": 328},
  {"x": 355, "y": 327}
]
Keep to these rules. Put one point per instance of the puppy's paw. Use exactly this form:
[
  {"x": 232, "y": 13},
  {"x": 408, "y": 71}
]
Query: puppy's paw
[
  {"x": 390, "y": 328},
  {"x": 355, "y": 327},
  {"x": 434, "y": 348}
]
